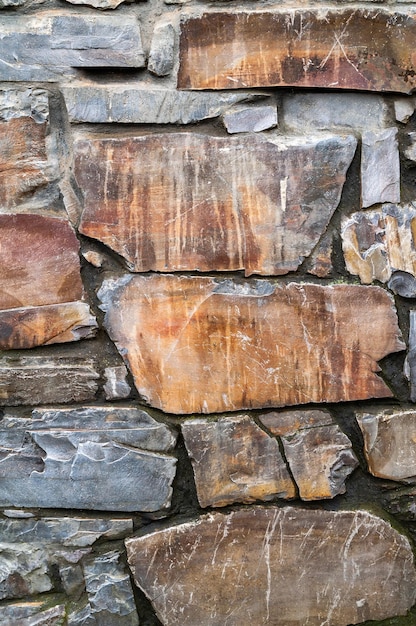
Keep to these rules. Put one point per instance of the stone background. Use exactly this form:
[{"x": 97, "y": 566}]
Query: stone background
[{"x": 207, "y": 313}]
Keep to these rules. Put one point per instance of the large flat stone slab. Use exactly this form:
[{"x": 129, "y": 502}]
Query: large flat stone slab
[
  {"x": 107, "y": 459},
  {"x": 196, "y": 345},
  {"x": 340, "y": 49},
  {"x": 281, "y": 566},
  {"x": 179, "y": 201}
]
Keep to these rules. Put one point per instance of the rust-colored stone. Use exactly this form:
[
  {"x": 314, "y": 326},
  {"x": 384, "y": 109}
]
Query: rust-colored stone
[
  {"x": 180, "y": 201},
  {"x": 341, "y": 49},
  {"x": 199, "y": 345},
  {"x": 280, "y": 566}
]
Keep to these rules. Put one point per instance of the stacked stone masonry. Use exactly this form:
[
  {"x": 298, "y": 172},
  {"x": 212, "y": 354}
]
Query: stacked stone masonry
[{"x": 207, "y": 313}]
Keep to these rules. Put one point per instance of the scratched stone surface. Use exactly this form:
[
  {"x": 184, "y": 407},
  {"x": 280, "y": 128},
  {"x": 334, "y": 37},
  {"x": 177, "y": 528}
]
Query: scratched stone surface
[
  {"x": 234, "y": 460},
  {"x": 197, "y": 345},
  {"x": 343, "y": 49},
  {"x": 181, "y": 201},
  {"x": 283, "y": 566},
  {"x": 85, "y": 458}
]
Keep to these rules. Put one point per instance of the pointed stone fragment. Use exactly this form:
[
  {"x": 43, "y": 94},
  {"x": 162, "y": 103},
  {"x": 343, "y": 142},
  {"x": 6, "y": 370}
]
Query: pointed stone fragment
[
  {"x": 380, "y": 167},
  {"x": 179, "y": 201},
  {"x": 379, "y": 242},
  {"x": 389, "y": 442},
  {"x": 343, "y": 49},
  {"x": 196, "y": 345},
  {"x": 319, "y": 454},
  {"x": 234, "y": 460},
  {"x": 107, "y": 459},
  {"x": 271, "y": 565}
]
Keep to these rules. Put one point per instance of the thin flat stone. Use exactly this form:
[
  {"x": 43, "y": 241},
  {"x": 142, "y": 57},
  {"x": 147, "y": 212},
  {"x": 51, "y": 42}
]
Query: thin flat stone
[
  {"x": 151, "y": 199},
  {"x": 271, "y": 565},
  {"x": 234, "y": 460},
  {"x": 244, "y": 119},
  {"x": 378, "y": 242},
  {"x": 380, "y": 167},
  {"x": 343, "y": 49},
  {"x": 195, "y": 345},
  {"x": 32, "y": 613}
]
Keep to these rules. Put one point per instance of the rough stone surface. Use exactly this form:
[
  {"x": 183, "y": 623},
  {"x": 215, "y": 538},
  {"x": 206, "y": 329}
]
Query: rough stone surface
[
  {"x": 319, "y": 454},
  {"x": 321, "y": 257},
  {"x": 271, "y": 199},
  {"x": 403, "y": 284},
  {"x": 411, "y": 355},
  {"x": 244, "y": 119},
  {"x": 99, "y": 4},
  {"x": 389, "y": 442},
  {"x": 128, "y": 104},
  {"x": 315, "y": 111},
  {"x": 410, "y": 151},
  {"x": 162, "y": 47},
  {"x": 85, "y": 458},
  {"x": 24, "y": 102},
  {"x": 234, "y": 460},
  {"x": 380, "y": 167},
  {"x": 245, "y": 567},
  {"x": 344, "y": 49},
  {"x": 225, "y": 346},
  {"x": 116, "y": 386},
  {"x": 404, "y": 109},
  {"x": 32, "y": 613},
  {"x": 379, "y": 242},
  {"x": 48, "y": 45},
  {"x": 40, "y": 380}
]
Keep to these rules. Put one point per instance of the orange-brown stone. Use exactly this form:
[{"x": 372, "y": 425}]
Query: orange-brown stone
[
  {"x": 340, "y": 49},
  {"x": 196, "y": 345}
]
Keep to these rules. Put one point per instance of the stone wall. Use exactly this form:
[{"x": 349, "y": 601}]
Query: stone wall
[{"x": 207, "y": 313}]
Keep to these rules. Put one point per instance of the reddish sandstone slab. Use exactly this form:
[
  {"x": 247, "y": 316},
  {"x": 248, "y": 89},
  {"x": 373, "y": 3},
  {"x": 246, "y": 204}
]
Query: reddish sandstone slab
[
  {"x": 345, "y": 49},
  {"x": 195, "y": 345},
  {"x": 280, "y": 566},
  {"x": 180, "y": 201}
]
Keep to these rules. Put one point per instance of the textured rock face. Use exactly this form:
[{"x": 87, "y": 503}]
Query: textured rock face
[
  {"x": 235, "y": 461},
  {"x": 389, "y": 442},
  {"x": 32, "y": 613},
  {"x": 377, "y": 243},
  {"x": 85, "y": 458},
  {"x": 345, "y": 49},
  {"x": 161, "y": 55},
  {"x": 411, "y": 355},
  {"x": 271, "y": 200},
  {"x": 219, "y": 339},
  {"x": 380, "y": 167},
  {"x": 244, "y": 119},
  {"x": 245, "y": 567}
]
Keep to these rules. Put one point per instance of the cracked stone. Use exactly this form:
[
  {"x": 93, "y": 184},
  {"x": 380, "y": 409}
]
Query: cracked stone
[
  {"x": 273, "y": 199},
  {"x": 234, "y": 460},
  {"x": 244, "y": 568},
  {"x": 380, "y": 167},
  {"x": 196, "y": 345}
]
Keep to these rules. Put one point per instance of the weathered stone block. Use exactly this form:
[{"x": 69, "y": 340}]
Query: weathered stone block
[
  {"x": 180, "y": 201},
  {"x": 234, "y": 460},
  {"x": 42, "y": 380},
  {"x": 244, "y": 119},
  {"x": 341, "y": 49},
  {"x": 271, "y": 565},
  {"x": 410, "y": 151},
  {"x": 380, "y": 167},
  {"x": 24, "y": 102},
  {"x": 195, "y": 345},
  {"x": 403, "y": 284},
  {"x": 162, "y": 47},
  {"x": 404, "y": 108},
  {"x": 411, "y": 355},
  {"x": 116, "y": 386},
  {"x": 94, "y": 458},
  {"x": 32, "y": 612},
  {"x": 389, "y": 442},
  {"x": 379, "y": 242}
]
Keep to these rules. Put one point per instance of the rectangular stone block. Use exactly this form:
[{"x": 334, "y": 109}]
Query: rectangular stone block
[
  {"x": 181, "y": 201},
  {"x": 380, "y": 167},
  {"x": 197, "y": 345},
  {"x": 340, "y": 49}
]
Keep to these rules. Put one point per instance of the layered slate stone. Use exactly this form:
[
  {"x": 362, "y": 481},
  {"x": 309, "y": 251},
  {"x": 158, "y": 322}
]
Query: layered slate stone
[
  {"x": 234, "y": 460},
  {"x": 245, "y": 568},
  {"x": 108, "y": 459},
  {"x": 380, "y": 167},
  {"x": 196, "y": 345},
  {"x": 33, "y": 612},
  {"x": 41, "y": 293},
  {"x": 48, "y": 45},
  {"x": 389, "y": 442},
  {"x": 341, "y": 49},
  {"x": 319, "y": 454},
  {"x": 379, "y": 242},
  {"x": 245, "y": 119},
  {"x": 179, "y": 201}
]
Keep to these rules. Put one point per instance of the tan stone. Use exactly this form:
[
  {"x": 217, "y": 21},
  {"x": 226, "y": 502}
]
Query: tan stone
[
  {"x": 198, "y": 345},
  {"x": 344, "y": 49},
  {"x": 280, "y": 566},
  {"x": 180, "y": 201},
  {"x": 378, "y": 242},
  {"x": 390, "y": 442},
  {"x": 234, "y": 460}
]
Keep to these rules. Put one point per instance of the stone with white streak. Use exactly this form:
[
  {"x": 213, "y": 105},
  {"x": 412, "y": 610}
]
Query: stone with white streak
[
  {"x": 380, "y": 167},
  {"x": 33, "y": 613},
  {"x": 162, "y": 47},
  {"x": 281, "y": 566},
  {"x": 244, "y": 119},
  {"x": 116, "y": 386}
]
